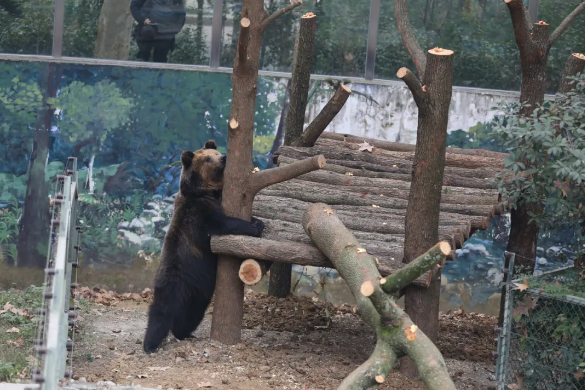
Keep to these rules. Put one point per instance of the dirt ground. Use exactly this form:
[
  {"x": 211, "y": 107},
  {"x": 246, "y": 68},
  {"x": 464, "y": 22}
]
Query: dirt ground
[{"x": 294, "y": 343}]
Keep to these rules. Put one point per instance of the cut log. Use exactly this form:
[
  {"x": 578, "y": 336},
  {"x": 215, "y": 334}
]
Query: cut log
[
  {"x": 378, "y": 163},
  {"x": 357, "y": 169},
  {"x": 451, "y": 160},
  {"x": 305, "y": 193},
  {"x": 283, "y": 251},
  {"x": 342, "y": 179},
  {"x": 389, "y": 192},
  {"x": 400, "y": 147},
  {"x": 251, "y": 271},
  {"x": 377, "y": 244}
]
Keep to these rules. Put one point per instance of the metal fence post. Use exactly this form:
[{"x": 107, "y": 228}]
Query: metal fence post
[
  {"x": 216, "y": 26},
  {"x": 372, "y": 39}
]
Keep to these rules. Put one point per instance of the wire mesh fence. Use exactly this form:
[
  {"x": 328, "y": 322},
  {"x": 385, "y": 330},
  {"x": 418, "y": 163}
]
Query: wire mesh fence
[{"x": 542, "y": 342}]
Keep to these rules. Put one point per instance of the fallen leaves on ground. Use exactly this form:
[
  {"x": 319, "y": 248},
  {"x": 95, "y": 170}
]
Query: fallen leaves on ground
[
  {"x": 522, "y": 286},
  {"x": 366, "y": 147},
  {"x": 111, "y": 298},
  {"x": 16, "y": 343},
  {"x": 13, "y": 330},
  {"x": 10, "y": 308}
]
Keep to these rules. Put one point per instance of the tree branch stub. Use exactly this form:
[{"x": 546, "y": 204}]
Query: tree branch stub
[
  {"x": 413, "y": 84},
  {"x": 522, "y": 27},
  {"x": 243, "y": 41},
  {"x": 324, "y": 118},
  {"x": 251, "y": 271},
  {"x": 575, "y": 65},
  {"x": 272, "y": 176}
]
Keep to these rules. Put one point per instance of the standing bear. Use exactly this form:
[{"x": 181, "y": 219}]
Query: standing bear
[{"x": 185, "y": 279}]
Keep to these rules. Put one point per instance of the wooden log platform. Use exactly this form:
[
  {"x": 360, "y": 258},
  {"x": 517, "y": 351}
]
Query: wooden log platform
[{"x": 368, "y": 191}]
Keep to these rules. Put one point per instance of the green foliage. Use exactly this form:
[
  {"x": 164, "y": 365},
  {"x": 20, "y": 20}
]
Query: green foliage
[
  {"x": 17, "y": 347},
  {"x": 546, "y": 166},
  {"x": 478, "y": 137},
  {"x": 22, "y": 99},
  {"x": 91, "y": 112},
  {"x": 9, "y": 217},
  {"x": 28, "y": 28}
]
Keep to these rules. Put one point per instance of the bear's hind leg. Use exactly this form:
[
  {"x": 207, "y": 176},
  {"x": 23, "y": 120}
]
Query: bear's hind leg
[
  {"x": 186, "y": 323},
  {"x": 160, "y": 318}
]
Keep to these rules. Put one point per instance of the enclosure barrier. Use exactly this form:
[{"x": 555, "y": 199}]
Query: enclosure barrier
[
  {"x": 542, "y": 342},
  {"x": 53, "y": 346}
]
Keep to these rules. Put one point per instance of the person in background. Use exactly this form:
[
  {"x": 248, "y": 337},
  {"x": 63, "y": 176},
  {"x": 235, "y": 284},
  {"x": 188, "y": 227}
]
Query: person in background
[{"x": 158, "y": 23}]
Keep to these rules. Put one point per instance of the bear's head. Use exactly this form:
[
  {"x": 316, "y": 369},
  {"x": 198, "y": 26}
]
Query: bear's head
[{"x": 202, "y": 170}]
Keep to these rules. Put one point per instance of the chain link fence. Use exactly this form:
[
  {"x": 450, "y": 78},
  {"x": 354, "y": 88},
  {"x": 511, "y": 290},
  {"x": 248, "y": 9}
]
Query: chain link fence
[{"x": 542, "y": 341}]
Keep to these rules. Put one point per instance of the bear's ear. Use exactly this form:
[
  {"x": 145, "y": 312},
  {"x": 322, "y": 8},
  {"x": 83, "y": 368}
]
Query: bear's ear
[
  {"x": 187, "y": 158},
  {"x": 210, "y": 144}
]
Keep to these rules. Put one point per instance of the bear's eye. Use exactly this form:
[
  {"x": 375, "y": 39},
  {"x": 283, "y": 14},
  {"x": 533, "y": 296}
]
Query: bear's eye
[{"x": 208, "y": 159}]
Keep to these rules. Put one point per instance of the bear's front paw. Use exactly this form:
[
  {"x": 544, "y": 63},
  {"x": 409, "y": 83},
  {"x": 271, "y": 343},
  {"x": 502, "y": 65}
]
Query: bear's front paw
[{"x": 258, "y": 226}]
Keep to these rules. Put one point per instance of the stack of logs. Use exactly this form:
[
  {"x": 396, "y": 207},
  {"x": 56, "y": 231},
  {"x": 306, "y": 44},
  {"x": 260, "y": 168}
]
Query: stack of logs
[{"x": 367, "y": 183}]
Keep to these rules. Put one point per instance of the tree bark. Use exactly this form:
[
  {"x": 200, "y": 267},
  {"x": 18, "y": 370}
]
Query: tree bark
[
  {"x": 320, "y": 123},
  {"x": 575, "y": 65},
  {"x": 301, "y": 76},
  {"x": 279, "y": 138},
  {"x": 35, "y": 221},
  {"x": 397, "y": 335},
  {"x": 343, "y": 167},
  {"x": 424, "y": 203},
  {"x": 240, "y": 185},
  {"x": 114, "y": 30}
]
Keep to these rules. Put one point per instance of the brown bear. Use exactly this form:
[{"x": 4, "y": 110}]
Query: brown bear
[{"x": 185, "y": 279}]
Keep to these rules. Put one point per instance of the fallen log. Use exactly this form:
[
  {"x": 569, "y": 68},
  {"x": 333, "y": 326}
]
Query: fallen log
[
  {"x": 400, "y": 147},
  {"x": 381, "y": 163},
  {"x": 404, "y": 175}
]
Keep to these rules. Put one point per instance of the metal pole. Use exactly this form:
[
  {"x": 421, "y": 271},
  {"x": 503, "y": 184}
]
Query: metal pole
[
  {"x": 372, "y": 39},
  {"x": 58, "y": 22},
  {"x": 216, "y": 26},
  {"x": 533, "y": 10}
]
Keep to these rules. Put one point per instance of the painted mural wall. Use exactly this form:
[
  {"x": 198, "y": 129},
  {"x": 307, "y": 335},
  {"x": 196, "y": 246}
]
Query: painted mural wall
[{"x": 128, "y": 126}]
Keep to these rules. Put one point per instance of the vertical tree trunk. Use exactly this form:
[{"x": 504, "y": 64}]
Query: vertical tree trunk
[
  {"x": 114, "y": 30},
  {"x": 301, "y": 77},
  {"x": 422, "y": 215},
  {"x": 240, "y": 186},
  {"x": 34, "y": 224},
  {"x": 278, "y": 139},
  {"x": 281, "y": 273}
]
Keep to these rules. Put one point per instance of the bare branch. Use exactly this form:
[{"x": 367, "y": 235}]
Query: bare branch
[
  {"x": 320, "y": 123},
  {"x": 413, "y": 84},
  {"x": 379, "y": 364},
  {"x": 522, "y": 26},
  {"x": 271, "y": 176},
  {"x": 405, "y": 276},
  {"x": 565, "y": 24},
  {"x": 410, "y": 41},
  {"x": 294, "y": 4}
]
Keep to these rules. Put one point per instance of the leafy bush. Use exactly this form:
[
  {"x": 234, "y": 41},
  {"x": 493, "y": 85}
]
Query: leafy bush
[{"x": 546, "y": 166}]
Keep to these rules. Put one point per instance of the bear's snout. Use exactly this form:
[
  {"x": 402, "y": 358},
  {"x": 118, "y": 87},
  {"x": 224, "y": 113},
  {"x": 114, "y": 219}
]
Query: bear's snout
[{"x": 223, "y": 160}]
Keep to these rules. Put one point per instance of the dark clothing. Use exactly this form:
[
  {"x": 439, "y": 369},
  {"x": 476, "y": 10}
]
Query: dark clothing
[
  {"x": 167, "y": 17},
  {"x": 161, "y": 49}
]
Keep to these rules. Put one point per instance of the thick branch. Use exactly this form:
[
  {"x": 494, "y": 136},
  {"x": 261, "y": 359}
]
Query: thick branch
[
  {"x": 320, "y": 123},
  {"x": 272, "y": 176},
  {"x": 408, "y": 274},
  {"x": 566, "y": 23},
  {"x": 413, "y": 84},
  {"x": 402, "y": 337},
  {"x": 301, "y": 78},
  {"x": 244, "y": 39},
  {"x": 379, "y": 364},
  {"x": 575, "y": 65},
  {"x": 386, "y": 308},
  {"x": 280, "y": 12},
  {"x": 410, "y": 41},
  {"x": 522, "y": 26}
]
